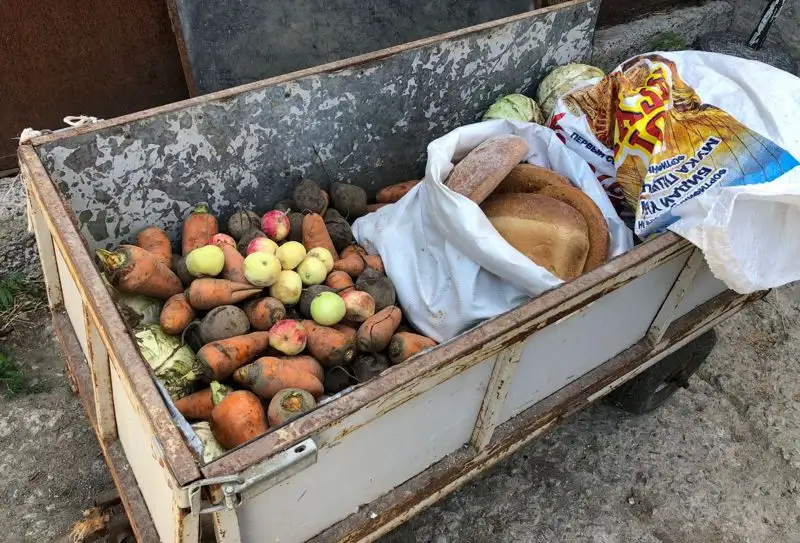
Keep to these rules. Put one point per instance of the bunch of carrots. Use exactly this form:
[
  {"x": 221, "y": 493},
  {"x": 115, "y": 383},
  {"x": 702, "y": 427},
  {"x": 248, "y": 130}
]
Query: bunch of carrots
[{"x": 284, "y": 311}]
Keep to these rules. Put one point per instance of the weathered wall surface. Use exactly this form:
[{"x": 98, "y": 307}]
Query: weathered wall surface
[
  {"x": 368, "y": 125},
  {"x": 784, "y": 32}
]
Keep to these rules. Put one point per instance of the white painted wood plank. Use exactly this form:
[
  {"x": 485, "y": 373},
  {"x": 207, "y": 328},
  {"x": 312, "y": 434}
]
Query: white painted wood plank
[
  {"x": 354, "y": 468},
  {"x": 666, "y": 314},
  {"x": 138, "y": 443},
  {"x": 47, "y": 256},
  {"x": 226, "y": 527},
  {"x": 73, "y": 302},
  {"x": 101, "y": 383},
  {"x": 568, "y": 349},
  {"x": 505, "y": 366},
  {"x": 704, "y": 287}
]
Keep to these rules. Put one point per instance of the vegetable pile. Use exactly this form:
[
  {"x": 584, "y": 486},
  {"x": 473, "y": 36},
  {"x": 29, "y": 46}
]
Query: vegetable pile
[{"x": 254, "y": 327}]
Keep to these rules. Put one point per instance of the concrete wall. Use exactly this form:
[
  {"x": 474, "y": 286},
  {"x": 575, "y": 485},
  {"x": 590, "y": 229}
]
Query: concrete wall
[{"x": 747, "y": 12}]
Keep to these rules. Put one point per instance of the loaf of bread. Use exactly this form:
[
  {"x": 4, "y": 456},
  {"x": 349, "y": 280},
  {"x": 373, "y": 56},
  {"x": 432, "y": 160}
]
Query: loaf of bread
[
  {"x": 479, "y": 173},
  {"x": 552, "y": 234},
  {"x": 598, "y": 229},
  {"x": 530, "y": 178}
]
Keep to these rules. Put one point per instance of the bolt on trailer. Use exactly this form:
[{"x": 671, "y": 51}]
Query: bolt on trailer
[{"x": 370, "y": 459}]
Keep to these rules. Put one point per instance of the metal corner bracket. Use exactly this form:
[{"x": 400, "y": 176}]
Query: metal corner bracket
[{"x": 235, "y": 489}]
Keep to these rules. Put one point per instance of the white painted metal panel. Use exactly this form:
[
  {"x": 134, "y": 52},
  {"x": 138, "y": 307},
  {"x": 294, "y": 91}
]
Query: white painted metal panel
[
  {"x": 73, "y": 302},
  {"x": 137, "y": 442},
  {"x": 356, "y": 467},
  {"x": 568, "y": 349},
  {"x": 704, "y": 287}
]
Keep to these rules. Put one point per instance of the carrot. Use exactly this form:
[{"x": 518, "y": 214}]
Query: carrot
[
  {"x": 352, "y": 265},
  {"x": 349, "y": 332},
  {"x": 372, "y": 208},
  {"x": 237, "y": 417},
  {"x": 353, "y": 249},
  {"x": 219, "y": 359},
  {"x": 198, "y": 229},
  {"x": 392, "y": 193},
  {"x": 375, "y": 262},
  {"x": 176, "y": 314},
  {"x": 329, "y": 346},
  {"x": 404, "y": 345},
  {"x": 288, "y": 404},
  {"x": 376, "y": 332},
  {"x": 315, "y": 234},
  {"x": 306, "y": 363},
  {"x": 264, "y": 312},
  {"x": 155, "y": 240},
  {"x": 268, "y": 375},
  {"x": 196, "y": 406},
  {"x": 339, "y": 280},
  {"x": 327, "y": 199},
  {"x": 208, "y": 293},
  {"x": 233, "y": 270},
  {"x": 133, "y": 270}
]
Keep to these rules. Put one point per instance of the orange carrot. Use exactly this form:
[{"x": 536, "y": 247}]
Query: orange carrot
[
  {"x": 371, "y": 208},
  {"x": 375, "y": 262},
  {"x": 353, "y": 249},
  {"x": 288, "y": 404},
  {"x": 133, "y": 270},
  {"x": 329, "y": 346},
  {"x": 350, "y": 332},
  {"x": 392, "y": 193},
  {"x": 198, "y": 229},
  {"x": 352, "y": 264},
  {"x": 237, "y": 417},
  {"x": 208, "y": 293},
  {"x": 233, "y": 270},
  {"x": 376, "y": 332},
  {"x": 404, "y": 345},
  {"x": 155, "y": 240},
  {"x": 197, "y": 406},
  {"x": 219, "y": 359},
  {"x": 264, "y": 312},
  {"x": 315, "y": 234},
  {"x": 306, "y": 363},
  {"x": 268, "y": 375},
  {"x": 176, "y": 314},
  {"x": 339, "y": 280}
]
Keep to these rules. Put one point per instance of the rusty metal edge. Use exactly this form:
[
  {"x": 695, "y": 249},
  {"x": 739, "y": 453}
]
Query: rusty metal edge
[
  {"x": 179, "y": 458},
  {"x": 350, "y": 62},
  {"x": 127, "y": 487},
  {"x": 180, "y": 42},
  {"x": 516, "y": 325},
  {"x": 452, "y": 472}
]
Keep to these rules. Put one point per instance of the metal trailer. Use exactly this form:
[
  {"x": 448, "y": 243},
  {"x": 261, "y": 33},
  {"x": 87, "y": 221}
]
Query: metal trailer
[{"x": 358, "y": 466}]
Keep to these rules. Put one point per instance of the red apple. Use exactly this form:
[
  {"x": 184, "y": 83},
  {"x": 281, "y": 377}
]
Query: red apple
[
  {"x": 275, "y": 224},
  {"x": 288, "y": 336}
]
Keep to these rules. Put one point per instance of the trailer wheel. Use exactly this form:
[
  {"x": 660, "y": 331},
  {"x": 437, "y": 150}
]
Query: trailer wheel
[{"x": 654, "y": 386}]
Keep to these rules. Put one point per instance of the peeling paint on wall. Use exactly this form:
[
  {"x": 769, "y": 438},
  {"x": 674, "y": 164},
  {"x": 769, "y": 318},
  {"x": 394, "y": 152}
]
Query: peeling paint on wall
[{"x": 369, "y": 125}]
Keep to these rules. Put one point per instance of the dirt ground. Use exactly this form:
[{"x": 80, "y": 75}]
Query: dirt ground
[{"x": 719, "y": 463}]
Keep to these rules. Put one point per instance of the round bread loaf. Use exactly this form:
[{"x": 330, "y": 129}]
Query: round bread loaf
[
  {"x": 478, "y": 173},
  {"x": 552, "y": 234},
  {"x": 598, "y": 229},
  {"x": 530, "y": 178}
]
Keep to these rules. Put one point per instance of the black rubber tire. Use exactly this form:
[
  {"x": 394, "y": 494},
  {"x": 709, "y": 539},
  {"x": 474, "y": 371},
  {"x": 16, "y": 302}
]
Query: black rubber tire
[{"x": 657, "y": 384}]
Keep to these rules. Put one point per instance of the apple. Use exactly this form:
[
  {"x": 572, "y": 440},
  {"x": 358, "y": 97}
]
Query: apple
[
  {"x": 261, "y": 245},
  {"x": 327, "y": 309},
  {"x": 359, "y": 306},
  {"x": 323, "y": 254},
  {"x": 288, "y": 336},
  {"x": 206, "y": 261},
  {"x": 291, "y": 254},
  {"x": 312, "y": 271},
  {"x": 288, "y": 288},
  {"x": 275, "y": 224},
  {"x": 262, "y": 269},
  {"x": 223, "y": 239}
]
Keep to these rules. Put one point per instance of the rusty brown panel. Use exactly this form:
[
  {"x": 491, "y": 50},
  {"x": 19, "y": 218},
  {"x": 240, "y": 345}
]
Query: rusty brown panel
[
  {"x": 124, "y": 480},
  {"x": 410, "y": 498},
  {"x": 469, "y": 347},
  {"x": 109, "y": 322},
  {"x": 614, "y": 12},
  {"x": 82, "y": 57}
]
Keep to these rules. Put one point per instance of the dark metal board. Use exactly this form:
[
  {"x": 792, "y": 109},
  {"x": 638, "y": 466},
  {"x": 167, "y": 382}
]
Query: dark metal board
[
  {"x": 366, "y": 121},
  {"x": 232, "y": 43}
]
